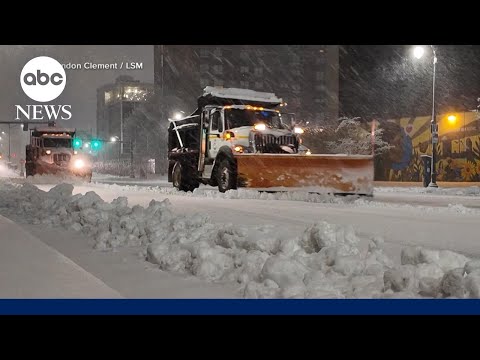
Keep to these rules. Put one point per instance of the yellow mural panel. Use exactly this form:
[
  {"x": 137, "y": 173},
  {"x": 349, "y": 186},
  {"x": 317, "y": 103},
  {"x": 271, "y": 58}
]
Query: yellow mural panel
[{"x": 458, "y": 148}]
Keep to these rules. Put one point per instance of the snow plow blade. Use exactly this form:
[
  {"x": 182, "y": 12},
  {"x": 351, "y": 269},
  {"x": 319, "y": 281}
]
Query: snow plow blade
[{"x": 324, "y": 174}]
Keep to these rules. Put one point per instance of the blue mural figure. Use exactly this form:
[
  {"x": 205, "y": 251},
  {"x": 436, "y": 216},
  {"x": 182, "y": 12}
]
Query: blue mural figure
[
  {"x": 399, "y": 156},
  {"x": 404, "y": 143}
]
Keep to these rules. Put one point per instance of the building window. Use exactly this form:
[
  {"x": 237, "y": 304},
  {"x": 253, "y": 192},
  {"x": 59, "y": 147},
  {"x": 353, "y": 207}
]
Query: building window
[
  {"x": 296, "y": 72},
  {"x": 204, "y": 53},
  {"x": 218, "y": 69},
  {"x": 243, "y": 55},
  {"x": 320, "y": 87},
  {"x": 204, "y": 68},
  {"x": 244, "y": 84},
  {"x": 318, "y": 101},
  {"x": 258, "y": 71},
  {"x": 259, "y": 84},
  {"x": 244, "y": 69},
  {"x": 320, "y": 60},
  {"x": 204, "y": 82},
  {"x": 108, "y": 96},
  {"x": 217, "y": 52},
  {"x": 320, "y": 75}
]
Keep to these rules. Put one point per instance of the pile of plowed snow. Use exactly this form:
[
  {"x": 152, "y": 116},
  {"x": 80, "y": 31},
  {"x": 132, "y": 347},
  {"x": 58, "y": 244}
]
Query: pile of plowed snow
[
  {"x": 6, "y": 172},
  {"x": 49, "y": 179},
  {"x": 324, "y": 261}
]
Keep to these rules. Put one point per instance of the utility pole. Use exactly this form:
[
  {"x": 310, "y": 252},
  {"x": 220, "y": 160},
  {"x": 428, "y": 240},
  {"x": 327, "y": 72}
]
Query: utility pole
[
  {"x": 434, "y": 126},
  {"x": 132, "y": 172},
  {"x": 9, "y": 137},
  {"x": 161, "y": 66}
]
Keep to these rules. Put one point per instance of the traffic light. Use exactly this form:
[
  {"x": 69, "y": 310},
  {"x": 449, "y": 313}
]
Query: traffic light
[
  {"x": 96, "y": 144},
  {"x": 77, "y": 143}
]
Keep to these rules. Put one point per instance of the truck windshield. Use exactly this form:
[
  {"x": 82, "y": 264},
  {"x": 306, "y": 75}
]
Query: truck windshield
[
  {"x": 57, "y": 143},
  {"x": 239, "y": 117}
]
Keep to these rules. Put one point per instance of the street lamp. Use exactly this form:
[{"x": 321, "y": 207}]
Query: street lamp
[
  {"x": 418, "y": 53},
  {"x": 178, "y": 115},
  {"x": 115, "y": 139}
]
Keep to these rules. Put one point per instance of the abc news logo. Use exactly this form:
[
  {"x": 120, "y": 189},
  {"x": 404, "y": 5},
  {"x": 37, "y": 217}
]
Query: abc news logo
[{"x": 43, "y": 79}]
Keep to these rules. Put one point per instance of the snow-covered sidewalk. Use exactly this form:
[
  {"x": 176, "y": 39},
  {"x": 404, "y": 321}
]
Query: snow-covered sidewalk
[{"x": 31, "y": 269}]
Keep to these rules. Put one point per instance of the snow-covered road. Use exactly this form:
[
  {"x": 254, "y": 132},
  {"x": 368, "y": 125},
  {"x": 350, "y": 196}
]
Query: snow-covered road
[{"x": 430, "y": 222}]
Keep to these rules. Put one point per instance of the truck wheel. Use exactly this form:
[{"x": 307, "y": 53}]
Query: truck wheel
[
  {"x": 29, "y": 170},
  {"x": 182, "y": 180},
  {"x": 226, "y": 176}
]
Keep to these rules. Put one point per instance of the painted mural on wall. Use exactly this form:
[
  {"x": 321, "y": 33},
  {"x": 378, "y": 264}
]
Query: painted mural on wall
[{"x": 458, "y": 148}]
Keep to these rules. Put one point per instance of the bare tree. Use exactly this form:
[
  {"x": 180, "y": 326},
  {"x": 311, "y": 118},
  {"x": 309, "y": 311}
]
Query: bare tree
[{"x": 352, "y": 136}]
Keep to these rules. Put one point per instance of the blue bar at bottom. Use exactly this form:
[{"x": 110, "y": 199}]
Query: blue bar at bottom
[{"x": 239, "y": 307}]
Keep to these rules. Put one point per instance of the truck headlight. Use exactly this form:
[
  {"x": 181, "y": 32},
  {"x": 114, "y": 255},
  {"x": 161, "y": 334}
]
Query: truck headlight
[
  {"x": 260, "y": 127},
  {"x": 239, "y": 148},
  {"x": 48, "y": 152},
  {"x": 298, "y": 130},
  {"x": 78, "y": 164}
]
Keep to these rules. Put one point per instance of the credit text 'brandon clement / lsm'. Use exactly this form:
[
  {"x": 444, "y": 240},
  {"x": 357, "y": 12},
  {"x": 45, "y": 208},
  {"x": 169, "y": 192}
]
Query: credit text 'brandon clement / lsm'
[{"x": 104, "y": 66}]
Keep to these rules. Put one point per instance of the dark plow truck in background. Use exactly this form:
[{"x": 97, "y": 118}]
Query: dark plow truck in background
[
  {"x": 51, "y": 151},
  {"x": 240, "y": 138}
]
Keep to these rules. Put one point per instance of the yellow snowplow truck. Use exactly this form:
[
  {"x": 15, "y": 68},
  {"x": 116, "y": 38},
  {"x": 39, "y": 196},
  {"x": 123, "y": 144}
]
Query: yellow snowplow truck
[
  {"x": 240, "y": 138},
  {"x": 51, "y": 151}
]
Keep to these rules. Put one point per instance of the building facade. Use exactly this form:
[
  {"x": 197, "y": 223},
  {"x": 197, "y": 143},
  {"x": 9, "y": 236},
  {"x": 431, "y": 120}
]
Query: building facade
[
  {"x": 115, "y": 102},
  {"x": 304, "y": 76}
]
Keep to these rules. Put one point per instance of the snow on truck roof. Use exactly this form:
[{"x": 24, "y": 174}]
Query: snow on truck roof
[
  {"x": 241, "y": 94},
  {"x": 54, "y": 130}
]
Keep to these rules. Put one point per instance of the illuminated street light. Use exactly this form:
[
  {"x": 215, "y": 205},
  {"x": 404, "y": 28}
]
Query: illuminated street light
[
  {"x": 452, "y": 119},
  {"x": 177, "y": 116},
  {"x": 418, "y": 53},
  {"x": 113, "y": 139}
]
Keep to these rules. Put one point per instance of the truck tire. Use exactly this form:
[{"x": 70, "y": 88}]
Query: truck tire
[
  {"x": 182, "y": 179},
  {"x": 226, "y": 176},
  {"x": 29, "y": 170}
]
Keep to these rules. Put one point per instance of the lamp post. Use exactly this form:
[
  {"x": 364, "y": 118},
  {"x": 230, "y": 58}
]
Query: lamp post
[
  {"x": 115, "y": 139},
  {"x": 418, "y": 52}
]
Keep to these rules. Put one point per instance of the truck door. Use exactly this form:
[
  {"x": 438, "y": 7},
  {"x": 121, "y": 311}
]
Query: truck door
[{"x": 216, "y": 131}]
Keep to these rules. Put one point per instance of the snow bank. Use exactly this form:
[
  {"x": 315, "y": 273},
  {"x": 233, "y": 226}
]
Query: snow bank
[
  {"x": 324, "y": 261},
  {"x": 49, "y": 179},
  {"x": 5, "y": 172}
]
